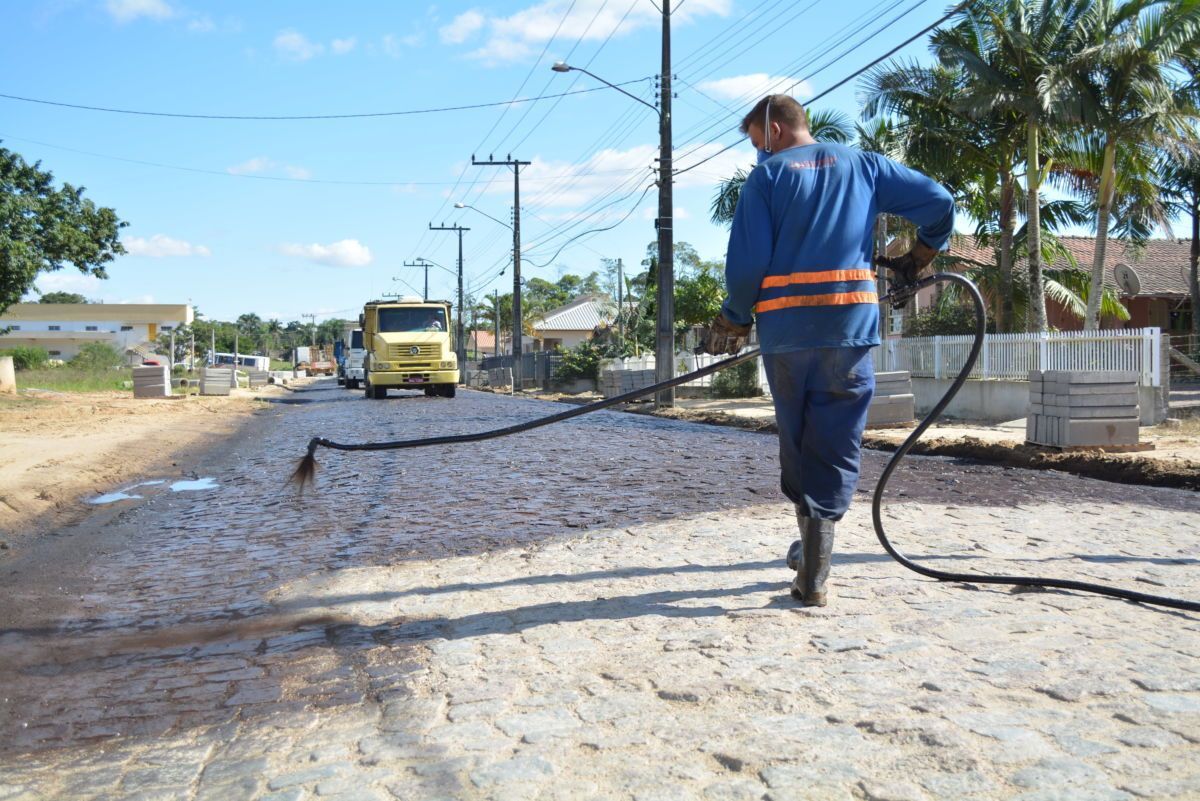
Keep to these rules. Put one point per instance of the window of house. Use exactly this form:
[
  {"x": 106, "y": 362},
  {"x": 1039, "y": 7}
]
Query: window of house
[
  {"x": 55, "y": 328},
  {"x": 127, "y": 328},
  {"x": 91, "y": 328},
  {"x": 14, "y": 328},
  {"x": 167, "y": 327}
]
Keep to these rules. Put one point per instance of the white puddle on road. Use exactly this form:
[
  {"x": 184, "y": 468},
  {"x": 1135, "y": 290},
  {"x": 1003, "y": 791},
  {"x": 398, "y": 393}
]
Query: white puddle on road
[
  {"x": 206, "y": 483},
  {"x": 176, "y": 486},
  {"x": 113, "y": 497},
  {"x": 124, "y": 495}
]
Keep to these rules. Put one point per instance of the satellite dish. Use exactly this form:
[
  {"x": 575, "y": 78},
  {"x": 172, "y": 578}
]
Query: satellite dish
[{"x": 1127, "y": 278}]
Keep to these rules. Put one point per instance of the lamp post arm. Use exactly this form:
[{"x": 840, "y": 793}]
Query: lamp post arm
[{"x": 619, "y": 89}]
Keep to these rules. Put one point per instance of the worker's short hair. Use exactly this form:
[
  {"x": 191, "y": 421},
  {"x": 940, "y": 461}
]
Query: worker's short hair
[{"x": 785, "y": 110}]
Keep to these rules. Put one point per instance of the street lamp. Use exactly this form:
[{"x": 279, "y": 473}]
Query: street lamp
[
  {"x": 664, "y": 346},
  {"x": 516, "y": 284}
]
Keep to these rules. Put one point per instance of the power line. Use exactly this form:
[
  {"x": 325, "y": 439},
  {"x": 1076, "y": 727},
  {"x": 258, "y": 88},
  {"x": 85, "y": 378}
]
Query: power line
[
  {"x": 297, "y": 117},
  {"x": 848, "y": 78}
]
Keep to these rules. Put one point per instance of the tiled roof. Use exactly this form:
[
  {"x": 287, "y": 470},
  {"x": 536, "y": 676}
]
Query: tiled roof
[
  {"x": 1161, "y": 264},
  {"x": 582, "y": 314}
]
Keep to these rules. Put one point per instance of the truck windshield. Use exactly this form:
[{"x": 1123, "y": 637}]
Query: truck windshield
[
  {"x": 356, "y": 340},
  {"x": 411, "y": 319}
]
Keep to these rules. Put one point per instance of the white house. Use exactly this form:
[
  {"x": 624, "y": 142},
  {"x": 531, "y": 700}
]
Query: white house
[
  {"x": 569, "y": 325},
  {"x": 63, "y": 328}
]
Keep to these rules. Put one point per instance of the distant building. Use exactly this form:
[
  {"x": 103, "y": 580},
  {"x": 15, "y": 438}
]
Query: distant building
[
  {"x": 569, "y": 325},
  {"x": 1161, "y": 266},
  {"x": 63, "y": 328}
]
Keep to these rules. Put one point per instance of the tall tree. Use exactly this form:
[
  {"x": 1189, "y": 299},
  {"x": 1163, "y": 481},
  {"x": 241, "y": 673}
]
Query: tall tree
[
  {"x": 43, "y": 228},
  {"x": 1024, "y": 66},
  {"x": 1129, "y": 101},
  {"x": 62, "y": 297},
  {"x": 1180, "y": 186}
]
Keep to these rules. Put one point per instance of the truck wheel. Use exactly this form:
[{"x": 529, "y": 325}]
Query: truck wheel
[
  {"x": 352, "y": 383},
  {"x": 447, "y": 390},
  {"x": 431, "y": 392}
]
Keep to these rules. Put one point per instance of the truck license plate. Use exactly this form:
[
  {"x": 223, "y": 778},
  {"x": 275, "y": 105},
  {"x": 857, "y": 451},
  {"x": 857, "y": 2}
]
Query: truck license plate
[{"x": 415, "y": 379}]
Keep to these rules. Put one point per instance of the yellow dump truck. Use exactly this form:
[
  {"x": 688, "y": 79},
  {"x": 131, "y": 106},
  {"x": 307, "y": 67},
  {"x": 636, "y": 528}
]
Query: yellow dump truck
[{"x": 408, "y": 347}]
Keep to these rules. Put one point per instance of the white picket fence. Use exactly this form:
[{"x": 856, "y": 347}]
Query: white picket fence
[
  {"x": 1012, "y": 356},
  {"x": 1004, "y": 356}
]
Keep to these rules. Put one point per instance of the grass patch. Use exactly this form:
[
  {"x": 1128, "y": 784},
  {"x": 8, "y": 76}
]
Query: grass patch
[{"x": 72, "y": 379}]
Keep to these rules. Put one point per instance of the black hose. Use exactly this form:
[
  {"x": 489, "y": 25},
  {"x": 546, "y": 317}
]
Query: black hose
[
  {"x": 305, "y": 472},
  {"x": 977, "y": 578}
]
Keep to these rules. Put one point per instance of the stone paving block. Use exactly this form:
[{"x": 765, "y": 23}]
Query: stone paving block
[
  {"x": 1092, "y": 376},
  {"x": 1129, "y": 399}
]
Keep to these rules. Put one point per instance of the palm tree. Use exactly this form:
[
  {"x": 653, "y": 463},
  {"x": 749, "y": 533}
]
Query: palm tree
[
  {"x": 273, "y": 329},
  {"x": 1129, "y": 102},
  {"x": 825, "y": 126},
  {"x": 1024, "y": 68},
  {"x": 975, "y": 155},
  {"x": 1179, "y": 181}
]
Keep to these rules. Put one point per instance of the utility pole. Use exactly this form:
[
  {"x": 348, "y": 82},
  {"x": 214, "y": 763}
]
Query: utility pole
[
  {"x": 313, "y": 331},
  {"x": 664, "y": 352},
  {"x": 620, "y": 303},
  {"x": 422, "y": 263},
  {"x": 515, "y": 165},
  {"x": 496, "y": 312},
  {"x": 460, "y": 347}
]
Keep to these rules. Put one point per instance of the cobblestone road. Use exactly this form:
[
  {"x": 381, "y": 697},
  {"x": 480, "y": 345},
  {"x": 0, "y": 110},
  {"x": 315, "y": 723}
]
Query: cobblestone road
[{"x": 596, "y": 610}]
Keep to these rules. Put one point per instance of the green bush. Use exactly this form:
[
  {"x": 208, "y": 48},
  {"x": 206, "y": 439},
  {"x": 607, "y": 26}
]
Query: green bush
[
  {"x": 581, "y": 361},
  {"x": 97, "y": 356},
  {"x": 940, "y": 321},
  {"x": 27, "y": 358},
  {"x": 737, "y": 382}
]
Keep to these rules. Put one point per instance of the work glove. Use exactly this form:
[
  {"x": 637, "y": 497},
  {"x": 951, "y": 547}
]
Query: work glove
[
  {"x": 724, "y": 337},
  {"x": 906, "y": 269}
]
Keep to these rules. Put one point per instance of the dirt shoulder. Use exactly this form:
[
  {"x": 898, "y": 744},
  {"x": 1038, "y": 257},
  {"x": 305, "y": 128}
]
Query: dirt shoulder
[
  {"x": 60, "y": 449},
  {"x": 1174, "y": 461}
]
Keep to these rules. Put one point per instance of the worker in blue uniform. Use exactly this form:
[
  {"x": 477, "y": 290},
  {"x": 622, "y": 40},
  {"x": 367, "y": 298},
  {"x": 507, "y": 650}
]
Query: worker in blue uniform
[{"x": 800, "y": 258}]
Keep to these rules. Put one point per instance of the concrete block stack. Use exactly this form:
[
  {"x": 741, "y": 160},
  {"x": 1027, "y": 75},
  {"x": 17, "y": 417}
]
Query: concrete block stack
[
  {"x": 216, "y": 380},
  {"x": 258, "y": 378},
  {"x": 151, "y": 381},
  {"x": 1082, "y": 408},
  {"x": 893, "y": 403},
  {"x": 618, "y": 382}
]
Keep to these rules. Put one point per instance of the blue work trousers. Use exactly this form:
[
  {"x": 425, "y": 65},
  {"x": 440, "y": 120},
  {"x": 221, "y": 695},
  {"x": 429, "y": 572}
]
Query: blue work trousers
[{"x": 821, "y": 399}]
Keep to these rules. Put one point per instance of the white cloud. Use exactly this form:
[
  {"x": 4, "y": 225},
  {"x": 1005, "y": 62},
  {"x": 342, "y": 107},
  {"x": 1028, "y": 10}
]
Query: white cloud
[
  {"x": 253, "y": 166},
  {"x": 517, "y": 36},
  {"x": 129, "y": 10},
  {"x": 66, "y": 281},
  {"x": 295, "y": 46},
  {"x": 559, "y": 184},
  {"x": 345, "y": 253},
  {"x": 462, "y": 28},
  {"x": 202, "y": 24},
  {"x": 750, "y": 88},
  {"x": 651, "y": 212},
  {"x": 261, "y": 165},
  {"x": 137, "y": 299},
  {"x": 161, "y": 246},
  {"x": 340, "y": 47}
]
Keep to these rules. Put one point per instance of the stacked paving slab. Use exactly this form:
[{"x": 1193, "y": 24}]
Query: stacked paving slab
[
  {"x": 1081, "y": 408},
  {"x": 258, "y": 378},
  {"x": 893, "y": 403},
  {"x": 151, "y": 381},
  {"x": 618, "y": 382},
  {"x": 216, "y": 380}
]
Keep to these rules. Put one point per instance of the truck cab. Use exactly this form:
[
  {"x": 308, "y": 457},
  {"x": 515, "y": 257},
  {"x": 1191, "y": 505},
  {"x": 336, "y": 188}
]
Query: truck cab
[{"x": 408, "y": 346}]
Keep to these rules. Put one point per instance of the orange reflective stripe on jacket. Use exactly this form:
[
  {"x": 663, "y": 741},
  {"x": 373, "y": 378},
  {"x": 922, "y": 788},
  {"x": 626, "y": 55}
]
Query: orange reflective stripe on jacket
[
  {"x": 824, "y": 276},
  {"x": 833, "y": 299}
]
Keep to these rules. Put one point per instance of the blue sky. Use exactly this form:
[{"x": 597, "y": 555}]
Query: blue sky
[{"x": 284, "y": 218}]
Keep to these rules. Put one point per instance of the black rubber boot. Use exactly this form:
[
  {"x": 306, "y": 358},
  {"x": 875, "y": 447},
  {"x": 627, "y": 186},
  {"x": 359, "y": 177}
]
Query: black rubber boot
[
  {"x": 817, "y": 549},
  {"x": 795, "y": 554}
]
